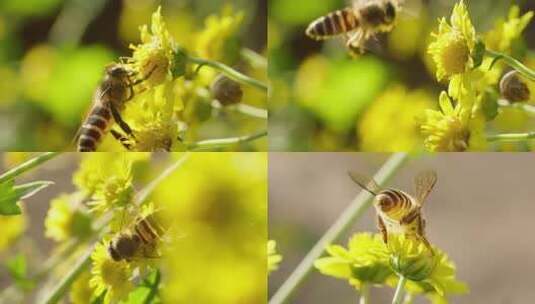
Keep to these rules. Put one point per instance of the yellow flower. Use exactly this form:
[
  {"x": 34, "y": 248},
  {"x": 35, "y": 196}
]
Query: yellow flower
[
  {"x": 12, "y": 228},
  {"x": 398, "y": 106},
  {"x": 365, "y": 261},
  {"x": 110, "y": 276},
  {"x": 449, "y": 130},
  {"x": 153, "y": 119},
  {"x": 219, "y": 204},
  {"x": 507, "y": 31},
  {"x": 81, "y": 292},
  {"x": 65, "y": 220},
  {"x": 454, "y": 44},
  {"x": 273, "y": 258},
  {"x": 215, "y": 41},
  {"x": 155, "y": 55},
  {"x": 107, "y": 178},
  {"x": 429, "y": 273}
]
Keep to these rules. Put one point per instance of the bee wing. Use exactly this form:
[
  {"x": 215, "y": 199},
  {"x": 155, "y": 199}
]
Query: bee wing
[
  {"x": 366, "y": 183},
  {"x": 424, "y": 183}
]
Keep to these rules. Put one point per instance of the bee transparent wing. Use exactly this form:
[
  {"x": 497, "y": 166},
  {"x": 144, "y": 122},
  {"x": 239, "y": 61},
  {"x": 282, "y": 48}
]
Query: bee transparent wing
[
  {"x": 424, "y": 183},
  {"x": 366, "y": 183},
  {"x": 410, "y": 8}
]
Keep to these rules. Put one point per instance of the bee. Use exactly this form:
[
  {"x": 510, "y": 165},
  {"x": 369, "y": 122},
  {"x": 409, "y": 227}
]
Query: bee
[
  {"x": 138, "y": 241},
  {"x": 397, "y": 211},
  {"x": 357, "y": 24},
  {"x": 109, "y": 100}
]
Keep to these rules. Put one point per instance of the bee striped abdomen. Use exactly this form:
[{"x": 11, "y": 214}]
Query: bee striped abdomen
[
  {"x": 93, "y": 128},
  {"x": 399, "y": 203},
  {"x": 335, "y": 23}
]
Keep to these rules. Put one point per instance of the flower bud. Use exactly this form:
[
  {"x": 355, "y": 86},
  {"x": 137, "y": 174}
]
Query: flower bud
[
  {"x": 513, "y": 88},
  {"x": 226, "y": 90}
]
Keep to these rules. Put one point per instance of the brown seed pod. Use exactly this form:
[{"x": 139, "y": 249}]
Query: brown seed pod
[
  {"x": 226, "y": 90},
  {"x": 513, "y": 88}
]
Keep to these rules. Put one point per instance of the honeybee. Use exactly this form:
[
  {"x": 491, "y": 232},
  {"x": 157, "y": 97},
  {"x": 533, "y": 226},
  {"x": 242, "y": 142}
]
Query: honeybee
[
  {"x": 109, "y": 100},
  {"x": 397, "y": 211},
  {"x": 357, "y": 24},
  {"x": 137, "y": 241}
]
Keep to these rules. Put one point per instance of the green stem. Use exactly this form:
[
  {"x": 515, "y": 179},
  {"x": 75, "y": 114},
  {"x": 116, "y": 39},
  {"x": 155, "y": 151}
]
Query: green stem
[
  {"x": 59, "y": 290},
  {"x": 251, "y": 111},
  {"x": 354, "y": 211},
  {"x": 255, "y": 59},
  {"x": 511, "y": 137},
  {"x": 230, "y": 72},
  {"x": 528, "y": 108},
  {"x": 398, "y": 296},
  {"x": 153, "y": 289},
  {"x": 66, "y": 282},
  {"x": 27, "y": 165},
  {"x": 515, "y": 64},
  {"x": 223, "y": 142},
  {"x": 364, "y": 294}
]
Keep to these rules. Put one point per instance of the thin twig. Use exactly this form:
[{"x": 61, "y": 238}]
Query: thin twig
[
  {"x": 354, "y": 211},
  {"x": 27, "y": 165},
  {"x": 255, "y": 59},
  {"x": 230, "y": 72},
  {"x": 515, "y": 64},
  {"x": 398, "y": 296},
  {"x": 528, "y": 108},
  {"x": 211, "y": 144},
  {"x": 511, "y": 137}
]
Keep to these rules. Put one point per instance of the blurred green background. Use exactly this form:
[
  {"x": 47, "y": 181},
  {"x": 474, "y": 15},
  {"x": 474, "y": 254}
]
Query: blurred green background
[
  {"x": 52, "y": 55},
  {"x": 324, "y": 101}
]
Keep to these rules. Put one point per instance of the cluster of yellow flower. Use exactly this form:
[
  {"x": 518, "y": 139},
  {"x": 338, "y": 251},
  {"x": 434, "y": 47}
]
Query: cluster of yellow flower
[
  {"x": 368, "y": 261},
  {"x": 174, "y": 100},
  {"x": 467, "y": 62}
]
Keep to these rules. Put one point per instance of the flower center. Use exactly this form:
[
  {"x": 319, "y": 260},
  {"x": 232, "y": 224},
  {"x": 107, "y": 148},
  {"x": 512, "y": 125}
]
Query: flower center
[{"x": 455, "y": 55}]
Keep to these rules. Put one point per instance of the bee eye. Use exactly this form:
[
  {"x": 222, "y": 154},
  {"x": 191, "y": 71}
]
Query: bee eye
[{"x": 390, "y": 12}]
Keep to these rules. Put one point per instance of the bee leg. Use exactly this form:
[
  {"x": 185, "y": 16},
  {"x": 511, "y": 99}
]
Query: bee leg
[
  {"x": 138, "y": 81},
  {"x": 122, "y": 139},
  {"x": 354, "y": 42},
  {"x": 421, "y": 236},
  {"x": 424, "y": 240},
  {"x": 382, "y": 229},
  {"x": 411, "y": 216},
  {"x": 119, "y": 120}
]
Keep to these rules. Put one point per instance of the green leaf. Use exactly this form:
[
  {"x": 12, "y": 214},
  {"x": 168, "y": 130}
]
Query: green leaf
[
  {"x": 18, "y": 271},
  {"x": 479, "y": 53},
  {"x": 11, "y": 194},
  {"x": 489, "y": 105}
]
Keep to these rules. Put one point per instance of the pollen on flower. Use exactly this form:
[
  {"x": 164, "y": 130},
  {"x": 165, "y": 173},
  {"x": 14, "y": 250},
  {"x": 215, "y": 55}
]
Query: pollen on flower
[
  {"x": 154, "y": 57},
  {"x": 453, "y": 45},
  {"x": 450, "y": 130}
]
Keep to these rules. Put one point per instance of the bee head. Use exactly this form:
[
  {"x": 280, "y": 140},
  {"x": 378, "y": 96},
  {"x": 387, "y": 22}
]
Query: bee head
[
  {"x": 116, "y": 71},
  {"x": 390, "y": 12},
  {"x": 384, "y": 202},
  {"x": 114, "y": 254}
]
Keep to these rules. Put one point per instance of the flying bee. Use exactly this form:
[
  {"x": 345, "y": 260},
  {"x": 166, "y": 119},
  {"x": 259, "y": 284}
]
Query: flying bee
[
  {"x": 137, "y": 241},
  {"x": 109, "y": 100},
  {"x": 397, "y": 211},
  {"x": 357, "y": 24}
]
